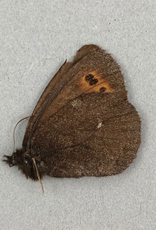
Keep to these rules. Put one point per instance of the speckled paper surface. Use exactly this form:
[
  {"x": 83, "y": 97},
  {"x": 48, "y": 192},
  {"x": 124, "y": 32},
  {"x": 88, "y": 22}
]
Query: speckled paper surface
[{"x": 35, "y": 39}]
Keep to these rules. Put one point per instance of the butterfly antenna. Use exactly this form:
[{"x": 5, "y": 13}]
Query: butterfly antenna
[
  {"x": 15, "y": 129},
  {"x": 38, "y": 175}
]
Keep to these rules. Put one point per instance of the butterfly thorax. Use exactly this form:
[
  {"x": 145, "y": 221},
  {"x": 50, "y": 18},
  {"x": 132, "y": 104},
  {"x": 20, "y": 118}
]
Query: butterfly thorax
[{"x": 24, "y": 161}]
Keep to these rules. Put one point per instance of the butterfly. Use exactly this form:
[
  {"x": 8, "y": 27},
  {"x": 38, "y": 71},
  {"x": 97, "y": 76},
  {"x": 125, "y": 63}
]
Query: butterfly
[{"x": 83, "y": 123}]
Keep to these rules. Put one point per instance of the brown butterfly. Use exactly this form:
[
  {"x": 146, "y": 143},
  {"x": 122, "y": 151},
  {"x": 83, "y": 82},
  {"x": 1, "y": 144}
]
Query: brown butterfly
[{"x": 83, "y": 124}]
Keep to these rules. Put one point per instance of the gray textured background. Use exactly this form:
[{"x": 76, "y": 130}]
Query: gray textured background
[{"x": 35, "y": 39}]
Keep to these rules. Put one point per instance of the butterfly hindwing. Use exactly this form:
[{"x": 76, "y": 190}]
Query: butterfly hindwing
[{"x": 86, "y": 141}]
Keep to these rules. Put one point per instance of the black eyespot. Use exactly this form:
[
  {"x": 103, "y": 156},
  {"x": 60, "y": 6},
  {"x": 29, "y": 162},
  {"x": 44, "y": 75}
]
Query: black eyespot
[
  {"x": 102, "y": 89},
  {"x": 89, "y": 77},
  {"x": 93, "y": 81}
]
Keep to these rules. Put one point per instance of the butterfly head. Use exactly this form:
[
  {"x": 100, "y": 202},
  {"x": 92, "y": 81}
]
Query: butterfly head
[{"x": 24, "y": 161}]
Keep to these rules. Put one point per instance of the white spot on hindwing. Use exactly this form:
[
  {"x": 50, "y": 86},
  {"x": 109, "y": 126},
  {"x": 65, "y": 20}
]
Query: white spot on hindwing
[{"x": 99, "y": 125}]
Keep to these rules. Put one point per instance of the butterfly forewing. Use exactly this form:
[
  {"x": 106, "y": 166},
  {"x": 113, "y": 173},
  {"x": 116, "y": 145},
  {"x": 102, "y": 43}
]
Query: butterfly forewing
[{"x": 83, "y": 124}]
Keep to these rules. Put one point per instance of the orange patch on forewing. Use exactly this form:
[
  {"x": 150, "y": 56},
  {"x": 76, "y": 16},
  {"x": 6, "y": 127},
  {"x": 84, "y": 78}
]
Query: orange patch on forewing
[
  {"x": 85, "y": 86},
  {"x": 97, "y": 88}
]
